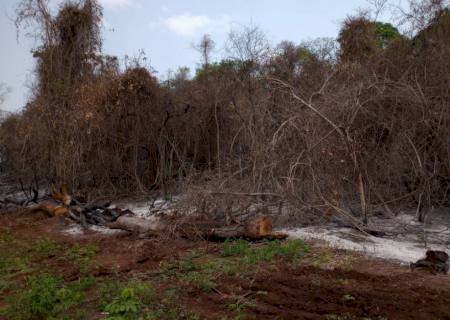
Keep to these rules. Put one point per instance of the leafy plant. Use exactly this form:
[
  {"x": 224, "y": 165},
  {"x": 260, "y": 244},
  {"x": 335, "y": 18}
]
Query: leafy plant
[
  {"x": 128, "y": 304},
  {"x": 108, "y": 290}
]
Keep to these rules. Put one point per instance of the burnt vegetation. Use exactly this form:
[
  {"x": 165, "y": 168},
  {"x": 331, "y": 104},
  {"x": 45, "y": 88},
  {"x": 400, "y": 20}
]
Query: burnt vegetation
[{"x": 348, "y": 125}]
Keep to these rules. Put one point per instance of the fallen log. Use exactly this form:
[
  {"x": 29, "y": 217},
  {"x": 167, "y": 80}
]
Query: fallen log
[
  {"x": 137, "y": 225},
  {"x": 254, "y": 229},
  {"x": 224, "y": 233}
]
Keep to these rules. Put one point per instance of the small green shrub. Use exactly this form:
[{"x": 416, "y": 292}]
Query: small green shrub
[
  {"x": 128, "y": 304},
  {"x": 108, "y": 290}
]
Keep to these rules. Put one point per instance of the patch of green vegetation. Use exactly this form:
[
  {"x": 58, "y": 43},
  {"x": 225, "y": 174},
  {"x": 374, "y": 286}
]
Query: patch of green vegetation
[
  {"x": 200, "y": 281},
  {"x": 125, "y": 306},
  {"x": 44, "y": 297},
  {"x": 84, "y": 283},
  {"x": 82, "y": 254},
  {"x": 45, "y": 247},
  {"x": 201, "y": 264},
  {"x": 292, "y": 249},
  {"x": 107, "y": 291},
  {"x": 166, "y": 308},
  {"x": 224, "y": 266},
  {"x": 323, "y": 259},
  {"x": 124, "y": 302},
  {"x": 193, "y": 317},
  {"x": 187, "y": 264},
  {"x": 239, "y": 307},
  {"x": 5, "y": 285},
  {"x": 235, "y": 248},
  {"x": 6, "y": 238},
  {"x": 11, "y": 263}
]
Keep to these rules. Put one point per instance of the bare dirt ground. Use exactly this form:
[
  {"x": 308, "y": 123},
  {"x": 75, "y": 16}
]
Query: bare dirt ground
[{"x": 201, "y": 280}]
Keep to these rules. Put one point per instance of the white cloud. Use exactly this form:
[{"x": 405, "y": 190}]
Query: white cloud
[
  {"x": 187, "y": 24},
  {"x": 116, "y": 3}
]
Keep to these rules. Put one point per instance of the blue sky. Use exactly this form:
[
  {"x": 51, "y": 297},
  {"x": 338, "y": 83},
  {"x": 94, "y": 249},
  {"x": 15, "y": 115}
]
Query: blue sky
[{"x": 167, "y": 30}]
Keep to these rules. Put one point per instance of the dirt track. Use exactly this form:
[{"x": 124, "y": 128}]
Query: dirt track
[{"x": 324, "y": 284}]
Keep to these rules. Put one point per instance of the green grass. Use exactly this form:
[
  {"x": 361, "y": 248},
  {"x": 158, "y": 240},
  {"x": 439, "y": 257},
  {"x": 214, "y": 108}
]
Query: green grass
[
  {"x": 44, "y": 297},
  {"x": 12, "y": 264},
  {"x": 220, "y": 266},
  {"x": 238, "y": 308},
  {"x": 269, "y": 250},
  {"x": 200, "y": 280},
  {"x": 235, "y": 248},
  {"x": 6, "y": 238},
  {"x": 82, "y": 254},
  {"x": 14, "y": 256},
  {"x": 6, "y": 285},
  {"x": 107, "y": 291},
  {"x": 45, "y": 247}
]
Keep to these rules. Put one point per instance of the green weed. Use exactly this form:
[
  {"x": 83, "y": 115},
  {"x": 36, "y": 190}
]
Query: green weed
[
  {"x": 82, "y": 254},
  {"x": 10, "y": 264},
  {"x": 235, "y": 248},
  {"x": 269, "y": 250},
  {"x": 129, "y": 302},
  {"x": 44, "y": 247},
  {"x": 200, "y": 281}
]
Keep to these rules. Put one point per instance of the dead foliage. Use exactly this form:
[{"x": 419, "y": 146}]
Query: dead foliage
[{"x": 346, "y": 132}]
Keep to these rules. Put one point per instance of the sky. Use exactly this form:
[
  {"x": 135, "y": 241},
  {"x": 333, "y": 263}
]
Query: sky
[{"x": 167, "y": 31}]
